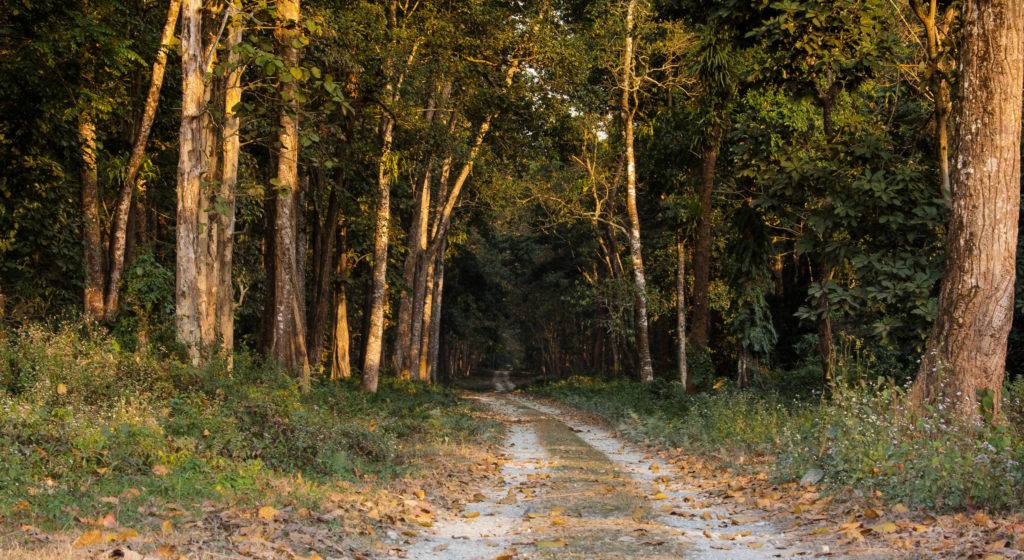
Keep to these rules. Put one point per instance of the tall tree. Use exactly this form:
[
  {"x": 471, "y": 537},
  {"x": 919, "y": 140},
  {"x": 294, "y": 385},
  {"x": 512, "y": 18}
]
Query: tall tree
[
  {"x": 628, "y": 111},
  {"x": 289, "y": 328},
  {"x": 386, "y": 164},
  {"x": 965, "y": 357},
  {"x": 190, "y": 169}
]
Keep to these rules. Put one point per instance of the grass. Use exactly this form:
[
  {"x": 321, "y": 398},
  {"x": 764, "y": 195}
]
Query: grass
[
  {"x": 861, "y": 436},
  {"x": 87, "y": 427}
]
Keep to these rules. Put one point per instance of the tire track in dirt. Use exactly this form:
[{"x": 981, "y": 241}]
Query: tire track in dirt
[{"x": 571, "y": 490}]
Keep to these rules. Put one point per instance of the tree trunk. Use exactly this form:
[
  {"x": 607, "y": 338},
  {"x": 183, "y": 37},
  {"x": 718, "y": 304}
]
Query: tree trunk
[
  {"x": 190, "y": 169},
  {"x": 341, "y": 367},
  {"x": 635, "y": 246},
  {"x": 681, "y": 310},
  {"x": 417, "y": 245},
  {"x": 231, "y": 145},
  {"x": 92, "y": 244},
  {"x": 323, "y": 266},
  {"x": 289, "y": 336},
  {"x": 373, "y": 347},
  {"x": 119, "y": 226},
  {"x": 435, "y": 318},
  {"x": 700, "y": 330},
  {"x": 935, "y": 35},
  {"x": 964, "y": 361}
]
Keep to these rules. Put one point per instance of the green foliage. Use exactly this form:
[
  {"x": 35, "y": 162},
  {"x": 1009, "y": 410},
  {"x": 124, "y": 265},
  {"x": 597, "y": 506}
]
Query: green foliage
[{"x": 81, "y": 418}]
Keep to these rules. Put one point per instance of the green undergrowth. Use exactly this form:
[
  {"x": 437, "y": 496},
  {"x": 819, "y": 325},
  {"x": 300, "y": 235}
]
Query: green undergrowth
[
  {"x": 83, "y": 421},
  {"x": 862, "y": 436}
]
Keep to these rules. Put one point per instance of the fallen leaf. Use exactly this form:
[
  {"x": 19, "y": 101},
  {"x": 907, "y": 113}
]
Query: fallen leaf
[
  {"x": 267, "y": 513},
  {"x": 62, "y": 389},
  {"x": 161, "y": 470},
  {"x": 551, "y": 544},
  {"x": 885, "y": 527},
  {"x": 89, "y": 538}
]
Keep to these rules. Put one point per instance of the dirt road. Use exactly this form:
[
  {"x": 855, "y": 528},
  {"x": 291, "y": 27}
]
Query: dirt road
[{"x": 572, "y": 490}]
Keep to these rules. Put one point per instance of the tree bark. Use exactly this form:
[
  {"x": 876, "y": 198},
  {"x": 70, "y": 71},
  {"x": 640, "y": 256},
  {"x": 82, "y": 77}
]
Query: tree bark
[
  {"x": 119, "y": 225},
  {"x": 964, "y": 360},
  {"x": 373, "y": 347},
  {"x": 341, "y": 367},
  {"x": 375, "y": 334},
  {"x": 231, "y": 147},
  {"x": 190, "y": 169},
  {"x": 92, "y": 245},
  {"x": 700, "y": 329},
  {"x": 635, "y": 245},
  {"x": 289, "y": 336},
  {"x": 435, "y": 318},
  {"x": 681, "y": 310}
]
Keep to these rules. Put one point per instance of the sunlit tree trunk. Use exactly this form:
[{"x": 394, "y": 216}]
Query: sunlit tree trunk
[
  {"x": 119, "y": 226},
  {"x": 417, "y": 245},
  {"x": 375, "y": 334},
  {"x": 231, "y": 144},
  {"x": 700, "y": 329},
  {"x": 635, "y": 246},
  {"x": 289, "y": 336},
  {"x": 964, "y": 360},
  {"x": 92, "y": 245},
  {"x": 373, "y": 348},
  {"x": 190, "y": 170}
]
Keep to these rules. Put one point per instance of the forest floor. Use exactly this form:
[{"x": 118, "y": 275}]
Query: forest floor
[{"x": 559, "y": 484}]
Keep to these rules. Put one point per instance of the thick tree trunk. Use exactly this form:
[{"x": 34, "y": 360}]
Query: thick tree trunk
[
  {"x": 289, "y": 336},
  {"x": 190, "y": 170},
  {"x": 635, "y": 245},
  {"x": 964, "y": 361},
  {"x": 92, "y": 244},
  {"x": 700, "y": 329},
  {"x": 119, "y": 226},
  {"x": 231, "y": 147},
  {"x": 681, "y": 310}
]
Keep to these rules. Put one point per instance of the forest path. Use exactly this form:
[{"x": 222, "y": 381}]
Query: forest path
[{"x": 569, "y": 489}]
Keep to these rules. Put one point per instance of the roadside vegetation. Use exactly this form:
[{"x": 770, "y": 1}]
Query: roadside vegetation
[
  {"x": 860, "y": 435},
  {"x": 87, "y": 427}
]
